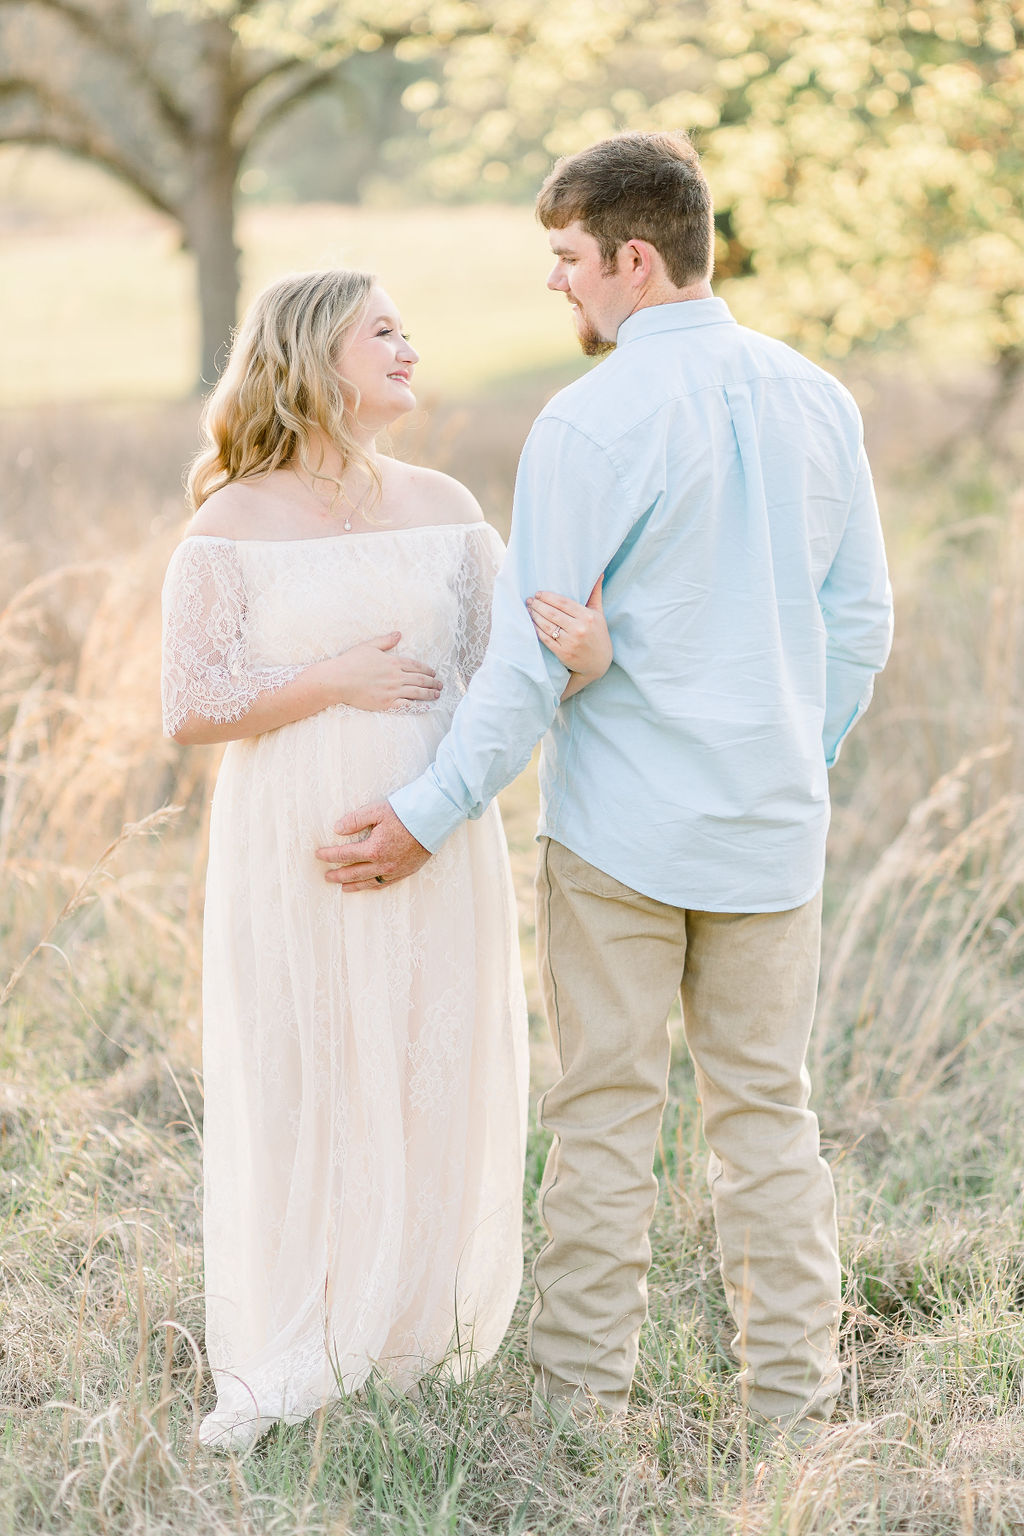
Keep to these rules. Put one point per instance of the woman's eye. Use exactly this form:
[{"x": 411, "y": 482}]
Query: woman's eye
[{"x": 386, "y": 331}]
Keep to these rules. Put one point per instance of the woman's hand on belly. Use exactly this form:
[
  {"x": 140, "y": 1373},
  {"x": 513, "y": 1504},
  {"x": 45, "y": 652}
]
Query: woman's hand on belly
[{"x": 374, "y": 676}]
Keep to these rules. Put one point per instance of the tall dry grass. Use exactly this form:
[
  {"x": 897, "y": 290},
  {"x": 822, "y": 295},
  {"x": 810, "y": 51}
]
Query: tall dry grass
[{"x": 918, "y": 1068}]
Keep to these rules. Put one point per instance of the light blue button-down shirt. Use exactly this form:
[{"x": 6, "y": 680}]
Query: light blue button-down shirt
[{"x": 719, "y": 481}]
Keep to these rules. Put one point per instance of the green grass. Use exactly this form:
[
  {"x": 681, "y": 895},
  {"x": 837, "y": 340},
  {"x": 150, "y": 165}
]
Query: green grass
[{"x": 102, "y": 1339}]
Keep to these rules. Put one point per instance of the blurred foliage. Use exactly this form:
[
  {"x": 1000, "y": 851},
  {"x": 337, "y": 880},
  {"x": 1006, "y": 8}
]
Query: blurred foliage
[
  {"x": 867, "y": 156},
  {"x": 867, "y": 159},
  {"x": 334, "y": 146}
]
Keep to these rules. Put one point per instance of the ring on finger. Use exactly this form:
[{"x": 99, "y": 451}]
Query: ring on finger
[{"x": 556, "y": 631}]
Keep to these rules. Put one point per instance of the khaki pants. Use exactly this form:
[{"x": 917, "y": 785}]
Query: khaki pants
[{"x": 611, "y": 962}]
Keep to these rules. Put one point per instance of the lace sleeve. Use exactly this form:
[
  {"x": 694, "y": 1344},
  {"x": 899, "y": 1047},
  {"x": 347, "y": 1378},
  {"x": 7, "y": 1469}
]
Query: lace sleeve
[
  {"x": 206, "y": 666},
  {"x": 481, "y": 561}
]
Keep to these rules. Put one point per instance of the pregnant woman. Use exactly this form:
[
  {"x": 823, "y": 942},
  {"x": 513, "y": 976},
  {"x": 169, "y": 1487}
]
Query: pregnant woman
[{"x": 364, "y": 1057}]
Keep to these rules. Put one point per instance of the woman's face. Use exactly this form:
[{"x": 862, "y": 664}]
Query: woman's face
[{"x": 379, "y": 362}]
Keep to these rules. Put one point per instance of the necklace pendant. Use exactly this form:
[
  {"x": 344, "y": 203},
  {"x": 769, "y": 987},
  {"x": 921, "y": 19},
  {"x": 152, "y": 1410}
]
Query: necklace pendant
[{"x": 347, "y": 525}]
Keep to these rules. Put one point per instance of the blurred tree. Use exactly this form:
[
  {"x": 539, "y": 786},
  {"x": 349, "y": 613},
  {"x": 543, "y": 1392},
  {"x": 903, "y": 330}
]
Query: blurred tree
[
  {"x": 870, "y": 156},
  {"x": 867, "y": 156},
  {"x": 288, "y": 162},
  {"x": 170, "y": 97}
]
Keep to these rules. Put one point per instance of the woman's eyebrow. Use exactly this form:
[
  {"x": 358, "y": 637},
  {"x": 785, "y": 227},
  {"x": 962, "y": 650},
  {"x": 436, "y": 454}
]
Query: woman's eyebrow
[{"x": 391, "y": 320}]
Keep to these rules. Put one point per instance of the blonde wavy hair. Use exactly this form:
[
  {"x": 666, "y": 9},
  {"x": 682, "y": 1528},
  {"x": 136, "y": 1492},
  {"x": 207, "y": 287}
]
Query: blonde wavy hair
[{"x": 281, "y": 386}]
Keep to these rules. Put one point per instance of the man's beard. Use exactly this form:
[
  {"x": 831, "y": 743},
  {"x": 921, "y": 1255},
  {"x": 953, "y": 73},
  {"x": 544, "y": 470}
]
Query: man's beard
[{"x": 592, "y": 343}]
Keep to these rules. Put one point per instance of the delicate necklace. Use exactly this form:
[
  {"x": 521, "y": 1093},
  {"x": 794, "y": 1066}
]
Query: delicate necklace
[
  {"x": 347, "y": 524},
  {"x": 356, "y": 506}
]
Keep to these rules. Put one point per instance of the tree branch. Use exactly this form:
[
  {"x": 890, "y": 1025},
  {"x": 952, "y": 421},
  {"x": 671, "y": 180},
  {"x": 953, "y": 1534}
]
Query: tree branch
[
  {"x": 266, "y": 73},
  {"x": 79, "y": 137},
  {"x": 313, "y": 82},
  {"x": 390, "y": 38},
  {"x": 115, "y": 42}
]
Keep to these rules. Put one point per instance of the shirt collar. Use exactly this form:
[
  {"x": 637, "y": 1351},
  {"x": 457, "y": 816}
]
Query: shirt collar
[{"x": 684, "y": 315}]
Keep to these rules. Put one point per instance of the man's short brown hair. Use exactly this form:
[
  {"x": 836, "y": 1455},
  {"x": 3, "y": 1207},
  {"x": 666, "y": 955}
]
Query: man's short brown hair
[{"x": 637, "y": 186}]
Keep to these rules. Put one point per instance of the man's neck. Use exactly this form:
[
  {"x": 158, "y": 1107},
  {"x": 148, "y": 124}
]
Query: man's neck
[{"x": 665, "y": 293}]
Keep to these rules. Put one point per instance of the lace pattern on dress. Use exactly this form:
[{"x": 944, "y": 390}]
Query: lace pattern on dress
[
  {"x": 207, "y": 669},
  {"x": 211, "y": 665}
]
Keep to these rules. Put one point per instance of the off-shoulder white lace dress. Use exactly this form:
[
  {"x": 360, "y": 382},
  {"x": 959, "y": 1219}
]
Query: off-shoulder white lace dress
[{"x": 364, "y": 1056}]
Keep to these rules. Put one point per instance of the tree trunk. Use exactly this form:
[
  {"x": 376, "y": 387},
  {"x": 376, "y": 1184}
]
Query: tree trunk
[
  {"x": 210, "y": 206},
  {"x": 210, "y": 217},
  {"x": 1009, "y": 371},
  {"x": 981, "y": 426}
]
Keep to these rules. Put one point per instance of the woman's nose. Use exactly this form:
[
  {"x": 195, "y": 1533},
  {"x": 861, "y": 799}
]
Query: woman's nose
[{"x": 408, "y": 353}]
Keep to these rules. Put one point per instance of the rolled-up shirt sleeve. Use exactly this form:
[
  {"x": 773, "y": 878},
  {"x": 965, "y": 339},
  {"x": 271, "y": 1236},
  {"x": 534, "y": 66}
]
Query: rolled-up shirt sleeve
[
  {"x": 856, "y": 604},
  {"x": 570, "y": 514}
]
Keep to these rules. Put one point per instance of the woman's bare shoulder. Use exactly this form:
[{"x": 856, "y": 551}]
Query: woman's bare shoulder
[
  {"x": 239, "y": 510},
  {"x": 432, "y": 496}
]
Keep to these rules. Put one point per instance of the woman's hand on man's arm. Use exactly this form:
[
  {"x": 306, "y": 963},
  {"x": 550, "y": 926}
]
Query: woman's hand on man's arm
[{"x": 576, "y": 633}]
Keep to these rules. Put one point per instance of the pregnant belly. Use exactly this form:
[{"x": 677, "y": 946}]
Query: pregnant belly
[{"x": 308, "y": 774}]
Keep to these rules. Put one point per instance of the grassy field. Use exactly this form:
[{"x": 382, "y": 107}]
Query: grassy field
[{"x": 917, "y": 1056}]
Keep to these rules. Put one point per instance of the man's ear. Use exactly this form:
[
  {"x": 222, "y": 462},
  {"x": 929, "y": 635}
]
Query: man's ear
[{"x": 640, "y": 260}]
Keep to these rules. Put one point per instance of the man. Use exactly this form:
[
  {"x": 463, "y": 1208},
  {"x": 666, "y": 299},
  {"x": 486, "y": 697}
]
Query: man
[{"x": 719, "y": 481}]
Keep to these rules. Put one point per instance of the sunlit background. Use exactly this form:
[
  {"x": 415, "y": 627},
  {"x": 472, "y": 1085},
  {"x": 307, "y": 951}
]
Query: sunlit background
[{"x": 158, "y": 163}]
